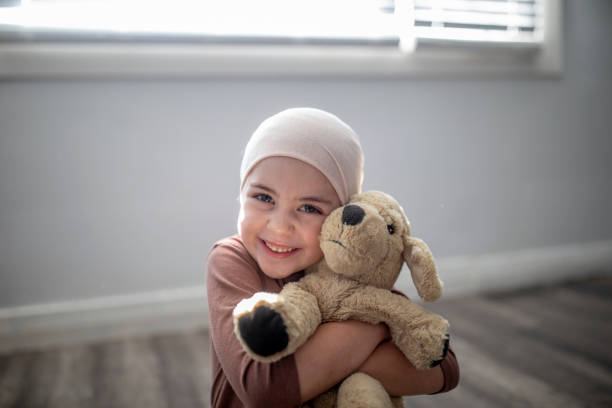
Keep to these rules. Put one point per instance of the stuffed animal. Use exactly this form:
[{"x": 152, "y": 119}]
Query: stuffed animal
[{"x": 365, "y": 244}]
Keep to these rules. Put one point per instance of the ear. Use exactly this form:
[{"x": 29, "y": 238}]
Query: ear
[{"x": 422, "y": 268}]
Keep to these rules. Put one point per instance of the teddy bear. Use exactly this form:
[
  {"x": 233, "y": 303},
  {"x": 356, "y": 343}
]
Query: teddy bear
[{"x": 364, "y": 245}]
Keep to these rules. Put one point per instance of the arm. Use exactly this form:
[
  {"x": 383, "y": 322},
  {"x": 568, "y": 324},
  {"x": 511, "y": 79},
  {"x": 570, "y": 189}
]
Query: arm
[
  {"x": 332, "y": 354},
  {"x": 399, "y": 377}
]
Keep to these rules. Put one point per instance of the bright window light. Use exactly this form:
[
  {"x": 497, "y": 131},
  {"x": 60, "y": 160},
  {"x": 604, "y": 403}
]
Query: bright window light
[{"x": 317, "y": 19}]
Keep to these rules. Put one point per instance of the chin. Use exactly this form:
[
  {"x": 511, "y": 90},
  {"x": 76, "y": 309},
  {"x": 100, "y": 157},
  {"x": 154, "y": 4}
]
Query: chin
[{"x": 278, "y": 271}]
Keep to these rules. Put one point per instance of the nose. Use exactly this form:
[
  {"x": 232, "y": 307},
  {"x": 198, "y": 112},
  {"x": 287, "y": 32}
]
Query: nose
[
  {"x": 280, "y": 222},
  {"x": 352, "y": 215}
]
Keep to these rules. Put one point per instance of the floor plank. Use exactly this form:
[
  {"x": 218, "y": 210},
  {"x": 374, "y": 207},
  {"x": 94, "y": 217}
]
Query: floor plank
[
  {"x": 13, "y": 383},
  {"x": 182, "y": 378},
  {"x": 127, "y": 374},
  {"x": 72, "y": 387}
]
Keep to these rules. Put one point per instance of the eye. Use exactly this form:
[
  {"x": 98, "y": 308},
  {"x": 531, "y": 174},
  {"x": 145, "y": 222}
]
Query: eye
[
  {"x": 391, "y": 229},
  {"x": 307, "y": 208},
  {"x": 263, "y": 197}
]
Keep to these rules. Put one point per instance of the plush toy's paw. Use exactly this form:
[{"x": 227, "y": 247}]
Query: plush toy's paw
[
  {"x": 437, "y": 347},
  {"x": 263, "y": 331},
  {"x": 260, "y": 326},
  {"x": 427, "y": 347},
  {"x": 444, "y": 352}
]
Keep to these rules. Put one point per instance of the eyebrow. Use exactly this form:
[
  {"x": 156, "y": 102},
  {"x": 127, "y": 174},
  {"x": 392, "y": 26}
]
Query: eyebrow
[
  {"x": 306, "y": 198},
  {"x": 316, "y": 200},
  {"x": 263, "y": 187}
]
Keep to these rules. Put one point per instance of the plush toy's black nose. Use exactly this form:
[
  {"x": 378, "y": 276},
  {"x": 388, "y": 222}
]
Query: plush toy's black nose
[{"x": 352, "y": 215}]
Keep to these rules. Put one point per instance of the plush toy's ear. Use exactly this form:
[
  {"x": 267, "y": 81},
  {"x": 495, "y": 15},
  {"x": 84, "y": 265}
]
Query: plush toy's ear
[{"x": 422, "y": 268}]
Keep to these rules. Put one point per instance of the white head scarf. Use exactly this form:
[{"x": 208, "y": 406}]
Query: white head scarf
[{"x": 315, "y": 137}]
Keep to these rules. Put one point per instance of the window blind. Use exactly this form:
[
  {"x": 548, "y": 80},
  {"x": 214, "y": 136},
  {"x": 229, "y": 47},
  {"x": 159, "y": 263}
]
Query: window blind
[{"x": 486, "y": 21}]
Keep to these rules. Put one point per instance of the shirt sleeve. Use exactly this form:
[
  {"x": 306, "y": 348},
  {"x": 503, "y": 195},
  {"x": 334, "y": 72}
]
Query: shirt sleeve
[
  {"x": 230, "y": 277},
  {"x": 450, "y": 370}
]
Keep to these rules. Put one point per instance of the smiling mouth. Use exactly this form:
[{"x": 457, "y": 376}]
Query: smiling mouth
[{"x": 278, "y": 249}]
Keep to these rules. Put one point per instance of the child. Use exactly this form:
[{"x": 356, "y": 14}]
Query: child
[{"x": 298, "y": 166}]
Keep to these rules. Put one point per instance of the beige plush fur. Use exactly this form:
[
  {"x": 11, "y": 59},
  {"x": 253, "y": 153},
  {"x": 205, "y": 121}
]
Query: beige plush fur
[{"x": 364, "y": 249}]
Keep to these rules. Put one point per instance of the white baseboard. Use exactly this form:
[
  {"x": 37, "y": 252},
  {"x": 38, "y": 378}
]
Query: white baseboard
[
  {"x": 105, "y": 318},
  {"x": 48, "y": 325},
  {"x": 465, "y": 275}
]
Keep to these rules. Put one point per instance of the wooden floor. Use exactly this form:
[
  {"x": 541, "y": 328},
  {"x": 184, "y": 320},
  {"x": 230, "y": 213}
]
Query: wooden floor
[{"x": 544, "y": 347}]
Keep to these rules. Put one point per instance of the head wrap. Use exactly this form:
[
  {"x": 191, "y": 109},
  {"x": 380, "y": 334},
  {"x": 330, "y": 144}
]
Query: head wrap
[{"x": 315, "y": 137}]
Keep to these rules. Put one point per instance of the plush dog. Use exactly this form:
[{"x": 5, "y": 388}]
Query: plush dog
[{"x": 365, "y": 244}]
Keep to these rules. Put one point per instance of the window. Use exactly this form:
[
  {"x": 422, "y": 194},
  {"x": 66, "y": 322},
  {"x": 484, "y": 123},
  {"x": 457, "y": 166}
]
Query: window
[{"x": 114, "y": 38}]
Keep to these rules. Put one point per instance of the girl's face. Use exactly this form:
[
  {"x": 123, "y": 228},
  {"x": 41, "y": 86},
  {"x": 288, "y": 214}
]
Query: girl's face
[{"x": 283, "y": 205}]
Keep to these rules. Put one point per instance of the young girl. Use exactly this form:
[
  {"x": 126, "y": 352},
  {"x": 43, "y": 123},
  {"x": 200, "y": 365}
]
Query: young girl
[{"x": 298, "y": 166}]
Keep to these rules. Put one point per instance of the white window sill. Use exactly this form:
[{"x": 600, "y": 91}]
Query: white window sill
[{"x": 21, "y": 61}]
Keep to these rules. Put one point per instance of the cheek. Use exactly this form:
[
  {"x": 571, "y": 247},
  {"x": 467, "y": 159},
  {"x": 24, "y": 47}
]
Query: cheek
[
  {"x": 313, "y": 230},
  {"x": 248, "y": 221}
]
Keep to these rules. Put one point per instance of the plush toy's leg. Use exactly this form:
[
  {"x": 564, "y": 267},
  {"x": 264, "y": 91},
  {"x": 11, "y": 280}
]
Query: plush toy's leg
[
  {"x": 271, "y": 326},
  {"x": 362, "y": 391},
  {"x": 325, "y": 400}
]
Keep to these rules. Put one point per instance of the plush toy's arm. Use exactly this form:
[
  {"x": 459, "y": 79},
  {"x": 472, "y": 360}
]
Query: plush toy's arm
[
  {"x": 420, "y": 334},
  {"x": 271, "y": 326}
]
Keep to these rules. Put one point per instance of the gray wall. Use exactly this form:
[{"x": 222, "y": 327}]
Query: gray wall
[{"x": 111, "y": 187}]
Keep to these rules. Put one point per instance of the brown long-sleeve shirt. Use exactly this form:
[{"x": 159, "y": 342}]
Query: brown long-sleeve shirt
[{"x": 238, "y": 380}]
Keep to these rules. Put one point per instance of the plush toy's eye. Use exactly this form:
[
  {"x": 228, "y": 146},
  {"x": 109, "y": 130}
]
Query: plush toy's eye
[{"x": 391, "y": 229}]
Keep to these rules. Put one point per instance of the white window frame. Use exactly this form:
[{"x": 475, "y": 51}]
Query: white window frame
[{"x": 430, "y": 60}]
